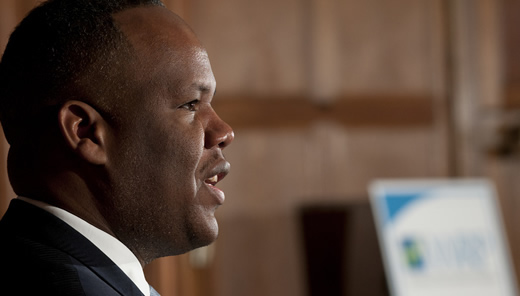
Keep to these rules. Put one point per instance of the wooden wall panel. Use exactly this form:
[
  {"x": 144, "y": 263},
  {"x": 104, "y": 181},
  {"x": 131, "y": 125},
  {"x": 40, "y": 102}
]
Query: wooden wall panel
[
  {"x": 279, "y": 112},
  {"x": 505, "y": 169},
  {"x": 485, "y": 66},
  {"x": 386, "y": 46},
  {"x": 278, "y": 66},
  {"x": 511, "y": 35},
  {"x": 254, "y": 46}
]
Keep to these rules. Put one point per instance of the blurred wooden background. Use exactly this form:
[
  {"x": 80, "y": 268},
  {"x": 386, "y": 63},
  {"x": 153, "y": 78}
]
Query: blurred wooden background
[{"x": 325, "y": 96}]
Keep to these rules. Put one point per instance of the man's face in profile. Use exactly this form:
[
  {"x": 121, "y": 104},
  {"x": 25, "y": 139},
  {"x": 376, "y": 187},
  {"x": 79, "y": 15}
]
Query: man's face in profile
[{"x": 166, "y": 153}]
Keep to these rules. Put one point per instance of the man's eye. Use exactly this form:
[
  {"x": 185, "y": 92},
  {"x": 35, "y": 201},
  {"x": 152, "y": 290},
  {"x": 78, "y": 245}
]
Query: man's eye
[{"x": 191, "y": 106}]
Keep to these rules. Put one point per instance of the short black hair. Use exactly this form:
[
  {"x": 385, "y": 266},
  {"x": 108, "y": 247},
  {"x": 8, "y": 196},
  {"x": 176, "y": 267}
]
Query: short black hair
[{"x": 62, "y": 50}]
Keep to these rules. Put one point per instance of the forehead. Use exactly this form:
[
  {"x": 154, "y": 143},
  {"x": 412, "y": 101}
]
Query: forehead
[
  {"x": 153, "y": 28},
  {"x": 166, "y": 48}
]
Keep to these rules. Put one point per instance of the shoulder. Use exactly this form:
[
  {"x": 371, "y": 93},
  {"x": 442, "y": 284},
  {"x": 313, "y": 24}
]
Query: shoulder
[
  {"x": 31, "y": 268},
  {"x": 42, "y": 255},
  {"x": 37, "y": 260},
  {"x": 35, "y": 268}
]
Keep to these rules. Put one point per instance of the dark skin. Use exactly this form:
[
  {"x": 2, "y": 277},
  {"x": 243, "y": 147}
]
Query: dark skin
[{"x": 149, "y": 178}]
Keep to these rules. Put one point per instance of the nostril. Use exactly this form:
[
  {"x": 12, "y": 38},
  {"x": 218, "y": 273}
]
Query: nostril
[
  {"x": 218, "y": 133},
  {"x": 227, "y": 139}
]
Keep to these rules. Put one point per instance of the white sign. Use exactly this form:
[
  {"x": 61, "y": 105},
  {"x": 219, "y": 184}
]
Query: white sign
[{"x": 442, "y": 238}]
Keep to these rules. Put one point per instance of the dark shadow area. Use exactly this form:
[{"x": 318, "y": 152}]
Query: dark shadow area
[{"x": 341, "y": 251}]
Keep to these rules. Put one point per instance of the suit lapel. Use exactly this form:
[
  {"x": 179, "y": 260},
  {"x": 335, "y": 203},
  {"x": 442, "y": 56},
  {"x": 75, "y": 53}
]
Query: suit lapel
[{"x": 52, "y": 231}]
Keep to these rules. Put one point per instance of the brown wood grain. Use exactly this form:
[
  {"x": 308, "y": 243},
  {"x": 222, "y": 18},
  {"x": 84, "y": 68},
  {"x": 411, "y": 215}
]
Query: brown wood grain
[{"x": 382, "y": 111}]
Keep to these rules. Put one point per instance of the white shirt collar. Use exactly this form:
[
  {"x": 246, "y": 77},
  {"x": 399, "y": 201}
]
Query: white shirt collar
[{"x": 109, "y": 245}]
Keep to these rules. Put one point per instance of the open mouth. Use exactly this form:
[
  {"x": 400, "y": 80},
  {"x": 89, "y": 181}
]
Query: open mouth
[
  {"x": 212, "y": 181},
  {"x": 218, "y": 173}
]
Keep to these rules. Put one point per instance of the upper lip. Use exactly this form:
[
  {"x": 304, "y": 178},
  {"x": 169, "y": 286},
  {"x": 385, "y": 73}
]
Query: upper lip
[{"x": 219, "y": 171}]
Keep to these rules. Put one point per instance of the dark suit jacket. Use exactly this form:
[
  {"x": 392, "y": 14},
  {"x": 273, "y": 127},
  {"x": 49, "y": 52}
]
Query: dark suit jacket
[{"x": 42, "y": 255}]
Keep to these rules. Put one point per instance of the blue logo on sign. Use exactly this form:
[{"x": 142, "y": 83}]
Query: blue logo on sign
[{"x": 412, "y": 253}]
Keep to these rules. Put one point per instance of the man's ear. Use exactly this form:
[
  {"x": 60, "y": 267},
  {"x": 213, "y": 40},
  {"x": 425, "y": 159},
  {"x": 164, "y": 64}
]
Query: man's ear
[{"x": 84, "y": 130}]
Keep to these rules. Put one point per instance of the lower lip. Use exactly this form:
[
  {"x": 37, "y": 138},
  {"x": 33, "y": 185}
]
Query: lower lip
[{"x": 218, "y": 192}]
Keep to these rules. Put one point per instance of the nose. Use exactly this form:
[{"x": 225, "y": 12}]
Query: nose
[{"x": 218, "y": 133}]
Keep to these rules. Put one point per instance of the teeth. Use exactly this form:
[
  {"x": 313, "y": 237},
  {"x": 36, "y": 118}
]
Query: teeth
[{"x": 213, "y": 179}]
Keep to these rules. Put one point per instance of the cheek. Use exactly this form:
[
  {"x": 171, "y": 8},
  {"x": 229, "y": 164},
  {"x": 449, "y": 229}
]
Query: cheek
[
  {"x": 163, "y": 158},
  {"x": 182, "y": 154}
]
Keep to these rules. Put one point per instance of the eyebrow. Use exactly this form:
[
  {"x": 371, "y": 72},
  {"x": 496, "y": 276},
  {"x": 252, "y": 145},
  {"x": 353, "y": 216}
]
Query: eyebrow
[{"x": 205, "y": 89}]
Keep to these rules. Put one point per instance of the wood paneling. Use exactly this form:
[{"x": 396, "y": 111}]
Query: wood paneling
[
  {"x": 485, "y": 94},
  {"x": 255, "y": 47},
  {"x": 511, "y": 35},
  {"x": 324, "y": 97},
  {"x": 385, "y": 111}
]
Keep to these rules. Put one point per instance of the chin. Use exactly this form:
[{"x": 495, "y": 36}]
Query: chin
[{"x": 207, "y": 236}]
